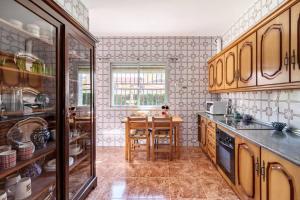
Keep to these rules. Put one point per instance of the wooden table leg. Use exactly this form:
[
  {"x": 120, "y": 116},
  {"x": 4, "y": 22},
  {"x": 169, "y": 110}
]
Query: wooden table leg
[
  {"x": 126, "y": 140},
  {"x": 177, "y": 141}
]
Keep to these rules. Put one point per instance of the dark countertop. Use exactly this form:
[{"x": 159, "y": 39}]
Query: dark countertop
[{"x": 285, "y": 144}]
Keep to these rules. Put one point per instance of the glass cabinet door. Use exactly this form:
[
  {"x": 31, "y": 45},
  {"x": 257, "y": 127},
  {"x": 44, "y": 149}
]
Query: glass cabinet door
[
  {"x": 28, "y": 96},
  {"x": 80, "y": 107}
]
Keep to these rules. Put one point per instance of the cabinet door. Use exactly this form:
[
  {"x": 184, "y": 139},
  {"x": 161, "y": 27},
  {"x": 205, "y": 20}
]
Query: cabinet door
[
  {"x": 273, "y": 51},
  {"x": 79, "y": 102},
  {"x": 247, "y": 169},
  {"x": 230, "y": 68},
  {"x": 247, "y": 62},
  {"x": 280, "y": 178},
  {"x": 295, "y": 43},
  {"x": 203, "y": 133},
  {"x": 211, "y": 78},
  {"x": 219, "y": 73}
]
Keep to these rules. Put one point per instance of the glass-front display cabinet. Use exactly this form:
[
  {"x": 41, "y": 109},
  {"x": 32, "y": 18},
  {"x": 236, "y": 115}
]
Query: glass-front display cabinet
[{"x": 47, "y": 147}]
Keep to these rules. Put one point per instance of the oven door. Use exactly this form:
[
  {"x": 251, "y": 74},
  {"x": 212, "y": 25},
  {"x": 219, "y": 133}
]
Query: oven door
[{"x": 225, "y": 159}]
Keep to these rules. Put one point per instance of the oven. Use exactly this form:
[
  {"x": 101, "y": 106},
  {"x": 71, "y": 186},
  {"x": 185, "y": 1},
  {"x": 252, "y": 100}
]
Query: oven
[{"x": 225, "y": 154}]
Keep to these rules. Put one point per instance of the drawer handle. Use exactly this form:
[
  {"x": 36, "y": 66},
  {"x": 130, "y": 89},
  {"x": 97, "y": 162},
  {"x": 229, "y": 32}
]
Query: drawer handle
[
  {"x": 257, "y": 166},
  {"x": 293, "y": 59},
  {"x": 263, "y": 171}
]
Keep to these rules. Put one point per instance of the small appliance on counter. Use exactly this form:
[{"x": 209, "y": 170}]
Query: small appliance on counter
[{"x": 216, "y": 107}]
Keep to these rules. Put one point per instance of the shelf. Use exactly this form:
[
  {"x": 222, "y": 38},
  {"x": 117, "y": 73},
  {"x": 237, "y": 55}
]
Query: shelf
[
  {"x": 38, "y": 154},
  {"x": 21, "y": 116},
  {"x": 41, "y": 184},
  {"x": 79, "y": 159},
  {"x": 22, "y": 32},
  {"x": 73, "y": 139},
  {"x": 27, "y": 72}
]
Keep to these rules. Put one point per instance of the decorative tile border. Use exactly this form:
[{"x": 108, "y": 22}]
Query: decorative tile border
[
  {"x": 187, "y": 80},
  {"x": 253, "y": 15}
]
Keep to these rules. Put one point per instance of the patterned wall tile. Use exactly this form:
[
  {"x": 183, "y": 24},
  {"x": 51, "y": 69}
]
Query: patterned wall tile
[
  {"x": 256, "y": 12},
  {"x": 186, "y": 93},
  {"x": 268, "y": 106},
  {"x": 77, "y": 9}
]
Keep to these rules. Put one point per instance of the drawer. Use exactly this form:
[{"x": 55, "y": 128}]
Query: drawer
[
  {"x": 211, "y": 125},
  {"x": 211, "y": 144}
]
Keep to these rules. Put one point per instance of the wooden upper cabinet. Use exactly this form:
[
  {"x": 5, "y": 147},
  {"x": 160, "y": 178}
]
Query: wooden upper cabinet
[
  {"x": 280, "y": 178},
  {"x": 295, "y": 43},
  {"x": 219, "y": 73},
  {"x": 211, "y": 76},
  {"x": 230, "y": 77},
  {"x": 273, "y": 51},
  {"x": 247, "y": 169},
  {"x": 246, "y": 71}
]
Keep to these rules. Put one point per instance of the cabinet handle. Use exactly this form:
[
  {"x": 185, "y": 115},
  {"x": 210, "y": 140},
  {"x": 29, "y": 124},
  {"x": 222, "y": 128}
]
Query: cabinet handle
[
  {"x": 237, "y": 75},
  {"x": 263, "y": 171},
  {"x": 293, "y": 59},
  {"x": 257, "y": 166},
  {"x": 286, "y": 61}
]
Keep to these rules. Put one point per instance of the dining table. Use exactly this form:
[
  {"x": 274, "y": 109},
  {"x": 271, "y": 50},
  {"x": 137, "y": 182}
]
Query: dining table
[{"x": 176, "y": 122}]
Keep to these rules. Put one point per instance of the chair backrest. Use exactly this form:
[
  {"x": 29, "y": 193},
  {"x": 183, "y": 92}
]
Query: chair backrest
[
  {"x": 138, "y": 123},
  {"x": 162, "y": 123}
]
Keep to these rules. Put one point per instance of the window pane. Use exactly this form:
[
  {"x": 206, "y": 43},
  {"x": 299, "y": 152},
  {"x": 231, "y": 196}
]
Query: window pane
[{"x": 134, "y": 85}]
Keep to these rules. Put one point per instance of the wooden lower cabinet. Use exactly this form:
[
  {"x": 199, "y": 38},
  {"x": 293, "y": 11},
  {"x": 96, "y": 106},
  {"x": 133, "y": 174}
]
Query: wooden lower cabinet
[
  {"x": 280, "y": 179},
  {"x": 211, "y": 144},
  {"x": 203, "y": 133},
  {"x": 247, "y": 169}
]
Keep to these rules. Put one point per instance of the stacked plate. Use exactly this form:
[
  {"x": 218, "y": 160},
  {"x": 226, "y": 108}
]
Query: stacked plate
[{"x": 50, "y": 166}]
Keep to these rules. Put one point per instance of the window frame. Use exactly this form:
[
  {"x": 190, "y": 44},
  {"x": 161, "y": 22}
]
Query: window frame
[{"x": 139, "y": 64}]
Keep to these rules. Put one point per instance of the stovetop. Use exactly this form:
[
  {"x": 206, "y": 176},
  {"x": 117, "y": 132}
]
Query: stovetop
[{"x": 241, "y": 125}]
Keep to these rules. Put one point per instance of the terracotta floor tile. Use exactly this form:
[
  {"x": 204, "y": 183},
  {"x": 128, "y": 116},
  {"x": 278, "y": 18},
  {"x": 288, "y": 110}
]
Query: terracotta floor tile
[
  {"x": 186, "y": 187},
  {"x": 191, "y": 177}
]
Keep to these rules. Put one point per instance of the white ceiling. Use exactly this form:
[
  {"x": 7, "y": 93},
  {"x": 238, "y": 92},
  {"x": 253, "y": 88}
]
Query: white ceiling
[{"x": 164, "y": 17}]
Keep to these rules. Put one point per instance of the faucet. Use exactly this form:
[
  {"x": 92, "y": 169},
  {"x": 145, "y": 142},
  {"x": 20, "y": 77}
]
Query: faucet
[{"x": 228, "y": 108}]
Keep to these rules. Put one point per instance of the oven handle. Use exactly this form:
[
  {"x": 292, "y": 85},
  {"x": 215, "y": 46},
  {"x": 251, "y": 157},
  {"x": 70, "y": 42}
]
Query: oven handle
[{"x": 226, "y": 145}]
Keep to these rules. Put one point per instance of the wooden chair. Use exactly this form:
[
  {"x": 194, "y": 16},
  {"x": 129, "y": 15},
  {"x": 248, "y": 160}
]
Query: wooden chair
[
  {"x": 138, "y": 130},
  {"x": 162, "y": 131}
]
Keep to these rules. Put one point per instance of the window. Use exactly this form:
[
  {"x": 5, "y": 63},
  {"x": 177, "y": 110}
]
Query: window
[
  {"x": 138, "y": 84},
  {"x": 84, "y": 87}
]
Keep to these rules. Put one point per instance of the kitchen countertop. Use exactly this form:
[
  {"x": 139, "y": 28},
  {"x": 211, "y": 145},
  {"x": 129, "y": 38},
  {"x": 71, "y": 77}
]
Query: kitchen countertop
[{"x": 285, "y": 144}]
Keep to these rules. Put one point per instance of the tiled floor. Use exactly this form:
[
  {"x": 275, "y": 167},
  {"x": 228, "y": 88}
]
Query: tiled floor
[{"x": 190, "y": 177}]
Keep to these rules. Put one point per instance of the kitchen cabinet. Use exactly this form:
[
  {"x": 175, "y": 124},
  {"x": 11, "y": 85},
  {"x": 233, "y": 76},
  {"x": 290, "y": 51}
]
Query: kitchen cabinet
[
  {"x": 203, "y": 129},
  {"x": 219, "y": 73},
  {"x": 230, "y": 70},
  {"x": 295, "y": 43},
  {"x": 247, "y": 168},
  {"x": 211, "y": 76},
  {"x": 211, "y": 140},
  {"x": 267, "y": 55},
  {"x": 47, "y": 101},
  {"x": 246, "y": 72},
  {"x": 273, "y": 51},
  {"x": 280, "y": 178}
]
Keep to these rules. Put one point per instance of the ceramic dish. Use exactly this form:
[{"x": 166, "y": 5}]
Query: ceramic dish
[
  {"x": 76, "y": 153},
  {"x": 50, "y": 166},
  {"x": 22, "y": 130},
  {"x": 74, "y": 148}
]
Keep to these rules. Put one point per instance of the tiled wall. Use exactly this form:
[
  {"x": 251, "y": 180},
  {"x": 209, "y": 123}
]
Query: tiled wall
[
  {"x": 77, "y": 9},
  {"x": 268, "y": 106},
  {"x": 249, "y": 18},
  {"x": 187, "y": 80}
]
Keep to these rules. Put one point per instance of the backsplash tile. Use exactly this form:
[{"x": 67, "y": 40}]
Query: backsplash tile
[
  {"x": 268, "y": 106},
  {"x": 187, "y": 80}
]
